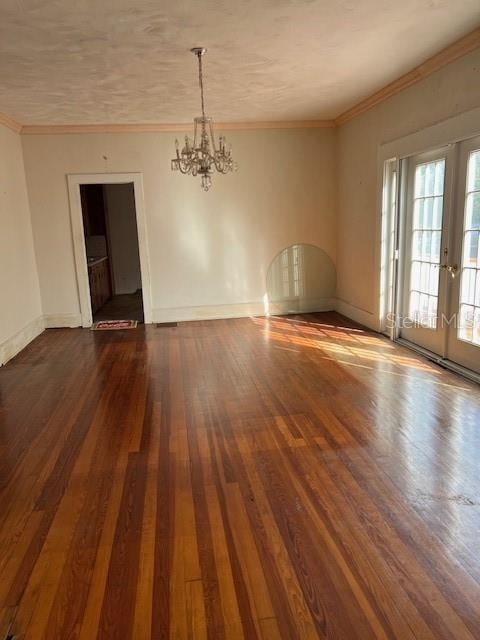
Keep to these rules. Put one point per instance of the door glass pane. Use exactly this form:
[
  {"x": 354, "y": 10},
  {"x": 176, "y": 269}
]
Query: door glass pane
[
  {"x": 469, "y": 321},
  {"x": 425, "y": 242}
]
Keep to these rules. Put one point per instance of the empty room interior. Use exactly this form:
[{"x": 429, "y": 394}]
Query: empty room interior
[{"x": 240, "y": 320}]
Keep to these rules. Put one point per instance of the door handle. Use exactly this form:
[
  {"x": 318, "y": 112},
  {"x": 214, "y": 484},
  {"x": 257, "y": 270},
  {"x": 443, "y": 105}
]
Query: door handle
[{"x": 451, "y": 268}]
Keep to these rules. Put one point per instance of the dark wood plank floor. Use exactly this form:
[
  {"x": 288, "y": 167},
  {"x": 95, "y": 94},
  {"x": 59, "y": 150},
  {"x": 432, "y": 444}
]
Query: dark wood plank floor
[
  {"x": 252, "y": 478},
  {"x": 126, "y": 306}
]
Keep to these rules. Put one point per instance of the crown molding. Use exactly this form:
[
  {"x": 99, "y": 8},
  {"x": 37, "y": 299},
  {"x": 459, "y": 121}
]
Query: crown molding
[
  {"x": 10, "y": 123},
  {"x": 458, "y": 49},
  {"x": 45, "y": 129}
]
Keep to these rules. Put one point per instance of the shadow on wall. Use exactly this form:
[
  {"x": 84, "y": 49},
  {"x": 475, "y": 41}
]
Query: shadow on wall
[{"x": 300, "y": 278}]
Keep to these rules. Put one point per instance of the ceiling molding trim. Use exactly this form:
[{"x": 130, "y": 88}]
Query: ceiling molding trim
[
  {"x": 10, "y": 123},
  {"x": 458, "y": 49},
  {"x": 47, "y": 129}
]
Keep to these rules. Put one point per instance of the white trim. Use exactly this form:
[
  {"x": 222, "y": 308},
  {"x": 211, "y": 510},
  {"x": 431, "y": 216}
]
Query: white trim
[
  {"x": 455, "y": 129},
  {"x": 74, "y": 182},
  {"x": 442, "y": 362},
  {"x": 240, "y": 310},
  {"x": 363, "y": 317},
  {"x": 13, "y": 345},
  {"x": 63, "y": 320},
  {"x": 208, "y": 312},
  {"x": 12, "y": 124},
  {"x": 301, "y": 305},
  {"x": 61, "y": 129}
]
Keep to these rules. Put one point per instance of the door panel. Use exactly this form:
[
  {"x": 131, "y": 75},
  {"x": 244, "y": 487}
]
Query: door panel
[
  {"x": 464, "y": 334},
  {"x": 425, "y": 239}
]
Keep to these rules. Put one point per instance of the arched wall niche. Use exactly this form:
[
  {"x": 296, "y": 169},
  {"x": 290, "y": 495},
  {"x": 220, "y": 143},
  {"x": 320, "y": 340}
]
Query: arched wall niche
[{"x": 300, "y": 278}]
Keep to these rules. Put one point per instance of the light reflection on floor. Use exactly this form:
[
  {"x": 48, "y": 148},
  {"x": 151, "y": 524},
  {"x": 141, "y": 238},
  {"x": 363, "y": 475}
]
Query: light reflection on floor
[
  {"x": 422, "y": 420},
  {"x": 349, "y": 346}
]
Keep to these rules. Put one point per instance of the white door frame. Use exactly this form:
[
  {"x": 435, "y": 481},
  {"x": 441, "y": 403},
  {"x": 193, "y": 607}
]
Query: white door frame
[
  {"x": 432, "y": 338},
  {"x": 74, "y": 182},
  {"x": 449, "y": 131}
]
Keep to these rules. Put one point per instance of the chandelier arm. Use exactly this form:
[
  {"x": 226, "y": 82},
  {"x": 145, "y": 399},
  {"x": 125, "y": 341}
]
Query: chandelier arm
[
  {"x": 212, "y": 137},
  {"x": 182, "y": 166},
  {"x": 221, "y": 168}
]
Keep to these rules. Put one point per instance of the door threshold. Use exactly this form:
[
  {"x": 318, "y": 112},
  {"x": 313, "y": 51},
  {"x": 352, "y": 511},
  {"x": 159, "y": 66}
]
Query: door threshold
[{"x": 442, "y": 362}]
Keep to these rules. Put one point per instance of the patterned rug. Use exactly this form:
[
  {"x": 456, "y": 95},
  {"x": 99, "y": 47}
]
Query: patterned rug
[{"x": 106, "y": 325}]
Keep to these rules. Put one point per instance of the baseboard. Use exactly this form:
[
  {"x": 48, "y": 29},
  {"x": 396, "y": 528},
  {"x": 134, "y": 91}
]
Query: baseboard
[
  {"x": 58, "y": 321},
  {"x": 241, "y": 310},
  {"x": 361, "y": 316},
  {"x": 10, "y": 347},
  {"x": 300, "y": 305},
  {"x": 208, "y": 312}
]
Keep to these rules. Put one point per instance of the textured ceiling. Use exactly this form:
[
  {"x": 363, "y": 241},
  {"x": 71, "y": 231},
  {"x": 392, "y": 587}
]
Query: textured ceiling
[{"x": 127, "y": 61}]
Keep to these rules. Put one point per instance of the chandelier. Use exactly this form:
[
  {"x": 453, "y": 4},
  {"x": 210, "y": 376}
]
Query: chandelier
[{"x": 202, "y": 156}]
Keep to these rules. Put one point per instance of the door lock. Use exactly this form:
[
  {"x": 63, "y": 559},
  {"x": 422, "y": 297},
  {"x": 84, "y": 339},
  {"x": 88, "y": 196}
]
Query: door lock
[{"x": 451, "y": 268}]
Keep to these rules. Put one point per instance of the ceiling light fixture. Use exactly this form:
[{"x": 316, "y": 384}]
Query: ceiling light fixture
[{"x": 202, "y": 156}]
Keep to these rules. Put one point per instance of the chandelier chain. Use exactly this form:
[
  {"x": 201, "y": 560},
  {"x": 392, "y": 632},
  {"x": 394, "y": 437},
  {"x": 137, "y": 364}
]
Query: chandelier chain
[{"x": 200, "y": 81}]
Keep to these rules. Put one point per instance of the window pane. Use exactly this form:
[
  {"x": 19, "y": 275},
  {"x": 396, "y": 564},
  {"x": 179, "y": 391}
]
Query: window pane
[
  {"x": 417, "y": 244},
  {"x": 470, "y": 249},
  {"x": 465, "y": 325},
  {"x": 418, "y": 214},
  {"x": 467, "y": 295},
  {"x": 439, "y": 177},
  {"x": 430, "y": 179},
  {"x": 415, "y": 276},
  {"x": 420, "y": 181},
  {"x": 432, "y": 312},
  {"x": 469, "y": 328},
  {"x": 473, "y": 182},
  {"x": 433, "y": 279},
  {"x": 426, "y": 241},
  {"x": 472, "y": 211},
  {"x": 423, "y": 305},
  {"x": 476, "y": 327},
  {"x": 426, "y": 245},
  {"x": 435, "y": 248},
  {"x": 414, "y": 304},
  {"x": 427, "y": 213},
  {"x": 424, "y": 274},
  {"x": 437, "y": 212}
]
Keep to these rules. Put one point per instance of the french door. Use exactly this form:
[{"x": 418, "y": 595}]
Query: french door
[
  {"x": 463, "y": 343},
  {"x": 439, "y": 274}
]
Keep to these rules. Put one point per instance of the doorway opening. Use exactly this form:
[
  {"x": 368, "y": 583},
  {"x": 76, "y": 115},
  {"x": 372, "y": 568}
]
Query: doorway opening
[{"x": 112, "y": 251}]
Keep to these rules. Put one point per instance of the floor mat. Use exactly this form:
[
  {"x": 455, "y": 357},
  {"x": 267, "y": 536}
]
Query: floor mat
[{"x": 105, "y": 325}]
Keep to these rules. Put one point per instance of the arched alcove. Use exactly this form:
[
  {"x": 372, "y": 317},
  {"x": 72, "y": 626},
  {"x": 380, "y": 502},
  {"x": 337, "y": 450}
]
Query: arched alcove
[{"x": 300, "y": 278}]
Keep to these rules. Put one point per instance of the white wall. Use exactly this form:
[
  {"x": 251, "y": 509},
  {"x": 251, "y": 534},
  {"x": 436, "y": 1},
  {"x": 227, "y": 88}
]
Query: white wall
[
  {"x": 20, "y": 309},
  {"x": 452, "y": 90},
  {"x": 209, "y": 252},
  {"x": 123, "y": 237}
]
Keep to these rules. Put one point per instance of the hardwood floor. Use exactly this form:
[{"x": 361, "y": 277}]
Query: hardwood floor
[
  {"x": 126, "y": 306},
  {"x": 252, "y": 478}
]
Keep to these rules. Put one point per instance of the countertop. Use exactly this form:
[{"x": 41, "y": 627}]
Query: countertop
[{"x": 91, "y": 262}]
